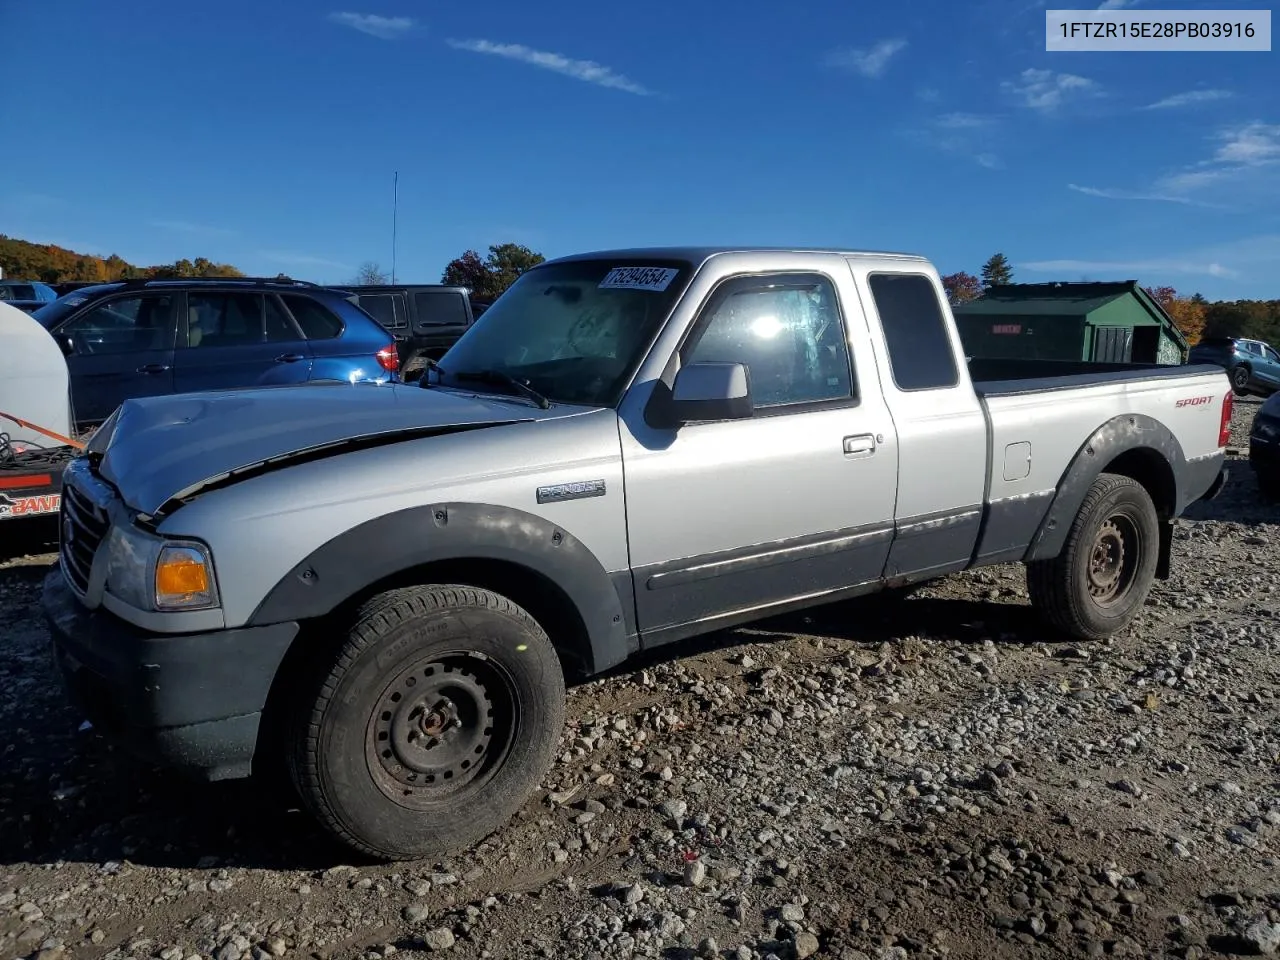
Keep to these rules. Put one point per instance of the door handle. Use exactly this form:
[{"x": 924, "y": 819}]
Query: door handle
[
  {"x": 860, "y": 445},
  {"x": 153, "y": 368},
  {"x": 289, "y": 358}
]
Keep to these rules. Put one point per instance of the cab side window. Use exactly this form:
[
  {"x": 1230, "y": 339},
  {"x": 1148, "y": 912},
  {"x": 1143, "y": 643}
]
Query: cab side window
[{"x": 786, "y": 329}]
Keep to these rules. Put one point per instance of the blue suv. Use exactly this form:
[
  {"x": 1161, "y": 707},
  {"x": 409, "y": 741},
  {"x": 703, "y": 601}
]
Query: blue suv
[
  {"x": 142, "y": 338},
  {"x": 1254, "y": 366}
]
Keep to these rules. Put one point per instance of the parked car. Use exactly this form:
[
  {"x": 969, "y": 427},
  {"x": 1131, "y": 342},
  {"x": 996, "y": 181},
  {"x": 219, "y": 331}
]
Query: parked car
[
  {"x": 426, "y": 319},
  {"x": 1253, "y": 365},
  {"x": 628, "y": 449},
  {"x": 26, "y": 295},
  {"x": 66, "y": 286},
  {"x": 1264, "y": 447},
  {"x": 143, "y": 338}
]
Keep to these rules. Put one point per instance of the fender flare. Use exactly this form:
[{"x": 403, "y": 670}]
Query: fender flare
[
  {"x": 394, "y": 543},
  {"x": 1119, "y": 435}
]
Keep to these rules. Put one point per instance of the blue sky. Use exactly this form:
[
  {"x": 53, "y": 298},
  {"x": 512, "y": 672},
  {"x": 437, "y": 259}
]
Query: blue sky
[{"x": 266, "y": 135}]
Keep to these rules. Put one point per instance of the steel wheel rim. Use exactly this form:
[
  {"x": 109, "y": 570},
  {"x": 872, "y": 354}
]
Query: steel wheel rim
[
  {"x": 441, "y": 728},
  {"x": 1113, "y": 560},
  {"x": 1242, "y": 377}
]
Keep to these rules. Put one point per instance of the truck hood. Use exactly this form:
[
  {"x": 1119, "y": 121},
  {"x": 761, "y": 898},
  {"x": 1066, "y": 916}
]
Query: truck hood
[{"x": 157, "y": 449}]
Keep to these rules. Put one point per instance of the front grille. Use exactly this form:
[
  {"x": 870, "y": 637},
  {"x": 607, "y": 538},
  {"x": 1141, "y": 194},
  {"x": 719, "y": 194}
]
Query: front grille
[{"x": 83, "y": 527}]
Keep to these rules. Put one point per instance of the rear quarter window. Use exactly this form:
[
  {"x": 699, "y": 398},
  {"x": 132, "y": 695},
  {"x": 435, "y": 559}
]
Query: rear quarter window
[
  {"x": 440, "y": 308},
  {"x": 915, "y": 330},
  {"x": 316, "y": 321}
]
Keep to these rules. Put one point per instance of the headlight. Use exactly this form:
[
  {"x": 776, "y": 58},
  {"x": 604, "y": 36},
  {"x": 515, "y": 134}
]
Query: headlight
[{"x": 184, "y": 578}]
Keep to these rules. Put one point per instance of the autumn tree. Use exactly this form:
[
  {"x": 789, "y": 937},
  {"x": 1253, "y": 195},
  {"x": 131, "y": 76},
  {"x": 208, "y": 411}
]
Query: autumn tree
[
  {"x": 369, "y": 274},
  {"x": 961, "y": 287},
  {"x": 1188, "y": 313},
  {"x": 996, "y": 271},
  {"x": 488, "y": 278}
]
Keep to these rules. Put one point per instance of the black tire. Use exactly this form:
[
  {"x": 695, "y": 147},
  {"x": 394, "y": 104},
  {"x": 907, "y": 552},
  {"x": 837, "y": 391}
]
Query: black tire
[
  {"x": 414, "y": 368},
  {"x": 1100, "y": 580},
  {"x": 418, "y": 661},
  {"x": 1240, "y": 380},
  {"x": 1268, "y": 483}
]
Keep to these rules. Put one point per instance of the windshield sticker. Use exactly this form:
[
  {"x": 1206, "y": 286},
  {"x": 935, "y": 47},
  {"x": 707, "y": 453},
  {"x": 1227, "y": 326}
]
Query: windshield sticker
[{"x": 639, "y": 278}]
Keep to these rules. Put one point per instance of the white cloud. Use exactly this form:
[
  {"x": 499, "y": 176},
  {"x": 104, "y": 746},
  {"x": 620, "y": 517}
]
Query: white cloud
[
  {"x": 870, "y": 63},
  {"x": 1130, "y": 268},
  {"x": 962, "y": 134},
  {"x": 1244, "y": 159},
  {"x": 186, "y": 226},
  {"x": 1046, "y": 91},
  {"x": 586, "y": 70},
  {"x": 963, "y": 121},
  {"x": 1108, "y": 194},
  {"x": 1250, "y": 258},
  {"x": 1188, "y": 98},
  {"x": 1253, "y": 144},
  {"x": 384, "y": 28}
]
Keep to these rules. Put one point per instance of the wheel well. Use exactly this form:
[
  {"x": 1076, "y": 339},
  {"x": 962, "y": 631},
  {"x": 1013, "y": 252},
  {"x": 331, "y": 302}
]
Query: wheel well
[
  {"x": 1149, "y": 468},
  {"x": 546, "y": 602}
]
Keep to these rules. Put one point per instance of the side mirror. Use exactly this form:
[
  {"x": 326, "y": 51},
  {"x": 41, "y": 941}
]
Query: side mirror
[
  {"x": 67, "y": 344},
  {"x": 712, "y": 391}
]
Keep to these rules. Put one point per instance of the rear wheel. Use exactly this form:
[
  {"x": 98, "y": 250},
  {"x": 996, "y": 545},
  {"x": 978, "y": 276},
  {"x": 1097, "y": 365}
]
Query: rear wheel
[
  {"x": 438, "y": 717},
  {"x": 1240, "y": 380},
  {"x": 1096, "y": 585}
]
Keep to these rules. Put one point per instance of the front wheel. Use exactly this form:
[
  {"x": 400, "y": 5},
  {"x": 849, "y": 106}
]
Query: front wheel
[
  {"x": 1102, "y": 576},
  {"x": 437, "y": 718}
]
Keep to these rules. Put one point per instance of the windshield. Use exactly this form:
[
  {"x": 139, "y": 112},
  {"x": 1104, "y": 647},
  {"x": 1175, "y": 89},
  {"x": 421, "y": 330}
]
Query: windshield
[
  {"x": 17, "y": 291},
  {"x": 53, "y": 313},
  {"x": 574, "y": 332}
]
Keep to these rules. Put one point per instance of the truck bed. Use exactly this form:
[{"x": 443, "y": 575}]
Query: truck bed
[{"x": 993, "y": 377}]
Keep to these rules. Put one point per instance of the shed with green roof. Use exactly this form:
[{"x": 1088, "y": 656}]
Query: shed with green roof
[{"x": 1102, "y": 322}]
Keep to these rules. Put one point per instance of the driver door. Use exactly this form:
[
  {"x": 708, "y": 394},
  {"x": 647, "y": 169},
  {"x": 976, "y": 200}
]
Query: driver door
[{"x": 120, "y": 348}]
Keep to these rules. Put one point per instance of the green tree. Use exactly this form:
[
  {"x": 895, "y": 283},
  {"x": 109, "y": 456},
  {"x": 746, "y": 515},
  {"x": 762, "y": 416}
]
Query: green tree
[
  {"x": 996, "y": 271},
  {"x": 488, "y": 278}
]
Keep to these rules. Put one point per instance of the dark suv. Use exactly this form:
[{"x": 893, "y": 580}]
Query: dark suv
[
  {"x": 1254, "y": 366},
  {"x": 141, "y": 338},
  {"x": 425, "y": 319}
]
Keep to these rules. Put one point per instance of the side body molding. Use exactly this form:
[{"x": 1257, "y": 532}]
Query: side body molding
[
  {"x": 1163, "y": 461},
  {"x": 443, "y": 532}
]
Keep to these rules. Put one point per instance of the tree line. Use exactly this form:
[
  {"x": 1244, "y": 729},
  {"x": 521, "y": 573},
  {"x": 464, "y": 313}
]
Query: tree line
[
  {"x": 1195, "y": 316},
  {"x": 49, "y": 263}
]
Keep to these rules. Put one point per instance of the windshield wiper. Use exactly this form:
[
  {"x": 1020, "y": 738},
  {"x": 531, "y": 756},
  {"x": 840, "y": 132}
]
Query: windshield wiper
[{"x": 506, "y": 380}]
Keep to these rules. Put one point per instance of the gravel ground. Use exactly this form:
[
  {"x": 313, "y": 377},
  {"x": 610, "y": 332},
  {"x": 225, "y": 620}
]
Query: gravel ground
[{"x": 886, "y": 779}]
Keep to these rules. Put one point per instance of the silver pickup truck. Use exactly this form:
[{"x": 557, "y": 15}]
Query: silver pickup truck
[{"x": 382, "y": 589}]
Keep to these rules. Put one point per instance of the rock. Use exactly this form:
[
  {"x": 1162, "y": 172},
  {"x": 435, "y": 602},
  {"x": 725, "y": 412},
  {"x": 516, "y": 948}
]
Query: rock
[
  {"x": 441, "y": 938},
  {"x": 632, "y": 894},
  {"x": 277, "y": 946},
  {"x": 1263, "y": 937},
  {"x": 806, "y": 945},
  {"x": 673, "y": 809},
  {"x": 792, "y": 913},
  {"x": 695, "y": 873},
  {"x": 415, "y": 912}
]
